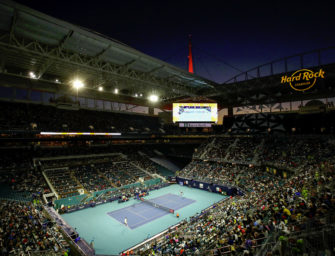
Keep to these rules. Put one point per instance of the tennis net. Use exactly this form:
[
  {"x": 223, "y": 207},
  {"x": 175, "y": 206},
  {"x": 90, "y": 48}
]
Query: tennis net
[{"x": 157, "y": 205}]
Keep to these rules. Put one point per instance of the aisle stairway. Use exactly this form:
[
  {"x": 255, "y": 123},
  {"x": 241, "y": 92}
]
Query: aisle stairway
[
  {"x": 105, "y": 177},
  {"x": 208, "y": 147},
  {"x": 233, "y": 145},
  {"x": 257, "y": 152}
]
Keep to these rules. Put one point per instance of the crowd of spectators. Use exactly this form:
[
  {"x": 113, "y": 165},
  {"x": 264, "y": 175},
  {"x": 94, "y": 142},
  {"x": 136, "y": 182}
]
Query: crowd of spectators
[
  {"x": 91, "y": 178},
  {"x": 202, "y": 148},
  {"x": 218, "y": 173},
  {"x": 240, "y": 225},
  {"x": 24, "y": 228},
  {"x": 143, "y": 162},
  {"x": 63, "y": 182},
  {"x": 279, "y": 151},
  {"x": 96, "y": 172},
  {"x": 73, "y": 160},
  {"x": 25, "y": 181},
  {"x": 293, "y": 151},
  {"x": 217, "y": 149},
  {"x": 244, "y": 149}
]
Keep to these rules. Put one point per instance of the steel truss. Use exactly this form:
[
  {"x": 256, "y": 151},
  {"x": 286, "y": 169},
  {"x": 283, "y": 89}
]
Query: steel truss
[{"x": 132, "y": 78}]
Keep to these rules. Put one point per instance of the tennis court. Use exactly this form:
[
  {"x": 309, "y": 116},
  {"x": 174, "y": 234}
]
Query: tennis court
[
  {"x": 110, "y": 237},
  {"x": 141, "y": 213}
]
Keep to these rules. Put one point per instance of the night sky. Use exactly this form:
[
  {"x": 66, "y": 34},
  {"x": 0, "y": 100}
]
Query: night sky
[{"x": 243, "y": 34}]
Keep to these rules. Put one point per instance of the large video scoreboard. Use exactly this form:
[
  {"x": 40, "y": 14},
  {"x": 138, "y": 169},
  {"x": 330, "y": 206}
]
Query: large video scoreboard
[{"x": 195, "y": 112}]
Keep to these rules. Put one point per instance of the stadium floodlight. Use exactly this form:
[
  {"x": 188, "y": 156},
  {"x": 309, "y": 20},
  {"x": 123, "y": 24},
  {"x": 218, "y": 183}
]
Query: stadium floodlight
[
  {"x": 57, "y": 81},
  {"x": 136, "y": 95},
  {"x": 116, "y": 90},
  {"x": 32, "y": 75},
  {"x": 100, "y": 88},
  {"x": 141, "y": 94},
  {"x": 153, "y": 98},
  {"x": 77, "y": 84}
]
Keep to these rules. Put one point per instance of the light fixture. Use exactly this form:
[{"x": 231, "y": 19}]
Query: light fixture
[
  {"x": 57, "y": 81},
  {"x": 153, "y": 98},
  {"x": 100, "y": 88},
  {"x": 136, "y": 95},
  {"x": 32, "y": 75},
  {"x": 77, "y": 84},
  {"x": 141, "y": 94},
  {"x": 116, "y": 90}
]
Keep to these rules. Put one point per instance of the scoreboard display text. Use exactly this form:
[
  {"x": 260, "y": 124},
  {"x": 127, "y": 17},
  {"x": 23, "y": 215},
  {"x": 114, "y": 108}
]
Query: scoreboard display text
[{"x": 195, "y": 112}]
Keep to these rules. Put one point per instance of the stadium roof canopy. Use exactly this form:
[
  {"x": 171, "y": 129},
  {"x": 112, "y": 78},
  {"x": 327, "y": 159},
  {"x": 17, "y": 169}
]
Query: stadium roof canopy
[
  {"x": 52, "y": 49},
  {"x": 57, "y": 52}
]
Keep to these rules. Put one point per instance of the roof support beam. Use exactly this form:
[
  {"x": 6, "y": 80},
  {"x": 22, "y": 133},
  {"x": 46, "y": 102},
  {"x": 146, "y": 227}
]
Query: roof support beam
[
  {"x": 100, "y": 67},
  {"x": 44, "y": 67},
  {"x": 156, "y": 69},
  {"x": 130, "y": 62},
  {"x": 13, "y": 24},
  {"x": 100, "y": 54},
  {"x": 64, "y": 39}
]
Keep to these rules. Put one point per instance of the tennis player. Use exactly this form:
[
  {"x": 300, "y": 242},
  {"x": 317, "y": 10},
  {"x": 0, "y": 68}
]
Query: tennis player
[
  {"x": 181, "y": 193},
  {"x": 126, "y": 221}
]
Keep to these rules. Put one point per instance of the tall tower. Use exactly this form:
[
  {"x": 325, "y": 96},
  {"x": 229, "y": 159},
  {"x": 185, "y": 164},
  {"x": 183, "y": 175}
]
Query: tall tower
[{"x": 190, "y": 58}]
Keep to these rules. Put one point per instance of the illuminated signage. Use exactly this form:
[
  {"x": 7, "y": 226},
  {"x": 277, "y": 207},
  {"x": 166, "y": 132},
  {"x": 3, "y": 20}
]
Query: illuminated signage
[
  {"x": 82, "y": 133},
  {"x": 303, "y": 79}
]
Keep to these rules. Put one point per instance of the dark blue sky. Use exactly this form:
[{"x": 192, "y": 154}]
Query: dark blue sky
[{"x": 242, "y": 33}]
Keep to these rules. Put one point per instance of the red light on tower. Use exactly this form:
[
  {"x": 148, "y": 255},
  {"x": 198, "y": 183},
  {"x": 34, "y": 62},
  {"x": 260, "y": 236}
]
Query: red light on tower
[{"x": 190, "y": 58}]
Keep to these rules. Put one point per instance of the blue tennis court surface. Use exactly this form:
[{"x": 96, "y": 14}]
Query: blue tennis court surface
[
  {"x": 111, "y": 237},
  {"x": 142, "y": 213}
]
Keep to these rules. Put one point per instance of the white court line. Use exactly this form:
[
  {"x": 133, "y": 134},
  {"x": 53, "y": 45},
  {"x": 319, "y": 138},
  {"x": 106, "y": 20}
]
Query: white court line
[
  {"x": 136, "y": 213},
  {"x": 146, "y": 219},
  {"x": 191, "y": 201}
]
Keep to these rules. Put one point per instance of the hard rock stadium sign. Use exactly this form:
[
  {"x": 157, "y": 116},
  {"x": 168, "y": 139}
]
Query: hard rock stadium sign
[{"x": 303, "y": 79}]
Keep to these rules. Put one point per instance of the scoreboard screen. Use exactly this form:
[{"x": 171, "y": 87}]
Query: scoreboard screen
[{"x": 195, "y": 112}]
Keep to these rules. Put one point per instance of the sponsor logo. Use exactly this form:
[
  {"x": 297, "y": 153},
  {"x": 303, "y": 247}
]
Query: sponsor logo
[{"x": 303, "y": 79}]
